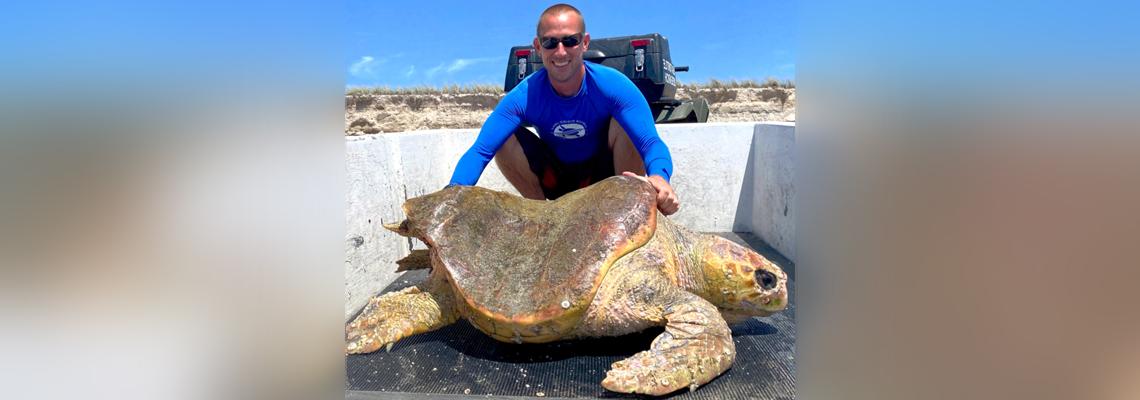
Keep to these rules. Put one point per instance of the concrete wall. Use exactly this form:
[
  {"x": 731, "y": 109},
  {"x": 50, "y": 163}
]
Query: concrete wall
[
  {"x": 771, "y": 176},
  {"x": 729, "y": 177}
]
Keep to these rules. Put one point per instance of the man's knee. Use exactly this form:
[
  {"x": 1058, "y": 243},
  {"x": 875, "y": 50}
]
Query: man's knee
[
  {"x": 514, "y": 165},
  {"x": 626, "y": 156},
  {"x": 510, "y": 154},
  {"x": 615, "y": 132}
]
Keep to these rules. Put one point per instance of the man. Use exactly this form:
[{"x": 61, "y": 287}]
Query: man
[{"x": 582, "y": 112}]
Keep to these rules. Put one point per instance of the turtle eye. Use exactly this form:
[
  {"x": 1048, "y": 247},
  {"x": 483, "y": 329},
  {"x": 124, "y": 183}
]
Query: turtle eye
[{"x": 767, "y": 279}]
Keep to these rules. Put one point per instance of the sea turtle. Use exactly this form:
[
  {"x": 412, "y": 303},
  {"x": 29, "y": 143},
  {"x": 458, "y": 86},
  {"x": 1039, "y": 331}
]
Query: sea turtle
[{"x": 598, "y": 261}]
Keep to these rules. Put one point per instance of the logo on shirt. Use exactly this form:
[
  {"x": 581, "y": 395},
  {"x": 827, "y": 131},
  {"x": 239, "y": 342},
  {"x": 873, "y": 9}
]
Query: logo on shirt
[{"x": 569, "y": 129}]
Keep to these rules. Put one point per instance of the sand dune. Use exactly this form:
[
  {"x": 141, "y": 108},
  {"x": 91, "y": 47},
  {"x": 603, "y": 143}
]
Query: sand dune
[{"x": 369, "y": 113}]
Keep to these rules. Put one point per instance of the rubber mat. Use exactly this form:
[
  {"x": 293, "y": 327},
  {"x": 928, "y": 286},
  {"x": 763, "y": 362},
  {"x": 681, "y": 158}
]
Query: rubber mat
[{"x": 458, "y": 361}]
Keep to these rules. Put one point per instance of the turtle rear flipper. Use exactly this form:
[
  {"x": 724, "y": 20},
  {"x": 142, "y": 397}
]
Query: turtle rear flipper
[
  {"x": 393, "y": 316},
  {"x": 695, "y": 348}
]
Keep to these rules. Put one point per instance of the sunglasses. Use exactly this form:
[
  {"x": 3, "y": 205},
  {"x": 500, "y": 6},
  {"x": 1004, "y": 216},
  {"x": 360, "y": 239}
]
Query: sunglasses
[{"x": 550, "y": 43}]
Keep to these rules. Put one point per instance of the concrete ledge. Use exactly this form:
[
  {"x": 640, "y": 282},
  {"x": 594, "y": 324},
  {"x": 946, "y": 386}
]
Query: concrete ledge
[
  {"x": 773, "y": 190},
  {"x": 729, "y": 177}
]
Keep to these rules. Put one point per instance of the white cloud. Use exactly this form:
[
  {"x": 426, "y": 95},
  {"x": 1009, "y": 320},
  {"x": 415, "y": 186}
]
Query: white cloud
[
  {"x": 458, "y": 65},
  {"x": 461, "y": 63},
  {"x": 411, "y": 70},
  {"x": 363, "y": 66},
  {"x": 449, "y": 68},
  {"x": 366, "y": 66},
  {"x": 434, "y": 70}
]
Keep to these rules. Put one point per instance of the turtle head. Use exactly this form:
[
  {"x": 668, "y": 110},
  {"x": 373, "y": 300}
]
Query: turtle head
[
  {"x": 741, "y": 282},
  {"x": 426, "y": 211}
]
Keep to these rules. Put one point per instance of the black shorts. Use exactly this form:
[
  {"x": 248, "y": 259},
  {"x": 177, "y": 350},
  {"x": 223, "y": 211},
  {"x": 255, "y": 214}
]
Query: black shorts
[{"x": 558, "y": 178}]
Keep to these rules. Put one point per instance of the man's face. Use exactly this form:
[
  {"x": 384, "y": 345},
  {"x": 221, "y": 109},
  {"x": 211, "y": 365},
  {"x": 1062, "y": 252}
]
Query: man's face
[{"x": 563, "y": 64}]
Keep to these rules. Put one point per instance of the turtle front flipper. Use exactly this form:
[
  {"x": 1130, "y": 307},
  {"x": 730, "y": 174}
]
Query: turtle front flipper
[
  {"x": 393, "y": 316},
  {"x": 695, "y": 348}
]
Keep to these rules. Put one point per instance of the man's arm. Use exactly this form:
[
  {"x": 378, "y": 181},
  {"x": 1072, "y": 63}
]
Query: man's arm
[
  {"x": 499, "y": 126},
  {"x": 632, "y": 112},
  {"x": 634, "y": 116},
  {"x": 667, "y": 200}
]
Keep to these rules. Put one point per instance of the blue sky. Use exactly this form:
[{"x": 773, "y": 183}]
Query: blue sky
[{"x": 413, "y": 43}]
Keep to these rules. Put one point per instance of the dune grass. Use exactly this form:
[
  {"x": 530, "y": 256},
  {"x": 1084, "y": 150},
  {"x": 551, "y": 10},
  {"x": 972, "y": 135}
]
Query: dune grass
[
  {"x": 488, "y": 88},
  {"x": 473, "y": 88},
  {"x": 745, "y": 83}
]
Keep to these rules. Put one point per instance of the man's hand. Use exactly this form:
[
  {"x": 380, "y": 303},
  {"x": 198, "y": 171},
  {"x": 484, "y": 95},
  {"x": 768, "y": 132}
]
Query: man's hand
[{"x": 666, "y": 199}]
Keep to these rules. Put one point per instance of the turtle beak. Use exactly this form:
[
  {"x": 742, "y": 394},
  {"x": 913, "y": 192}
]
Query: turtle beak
[{"x": 767, "y": 306}]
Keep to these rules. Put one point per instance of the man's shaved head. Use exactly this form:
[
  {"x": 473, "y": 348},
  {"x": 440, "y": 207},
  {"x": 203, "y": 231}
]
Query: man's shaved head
[{"x": 559, "y": 9}]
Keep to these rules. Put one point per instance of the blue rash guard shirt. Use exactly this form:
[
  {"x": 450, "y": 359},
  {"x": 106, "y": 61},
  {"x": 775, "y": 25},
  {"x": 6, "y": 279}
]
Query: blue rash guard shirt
[{"x": 569, "y": 125}]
